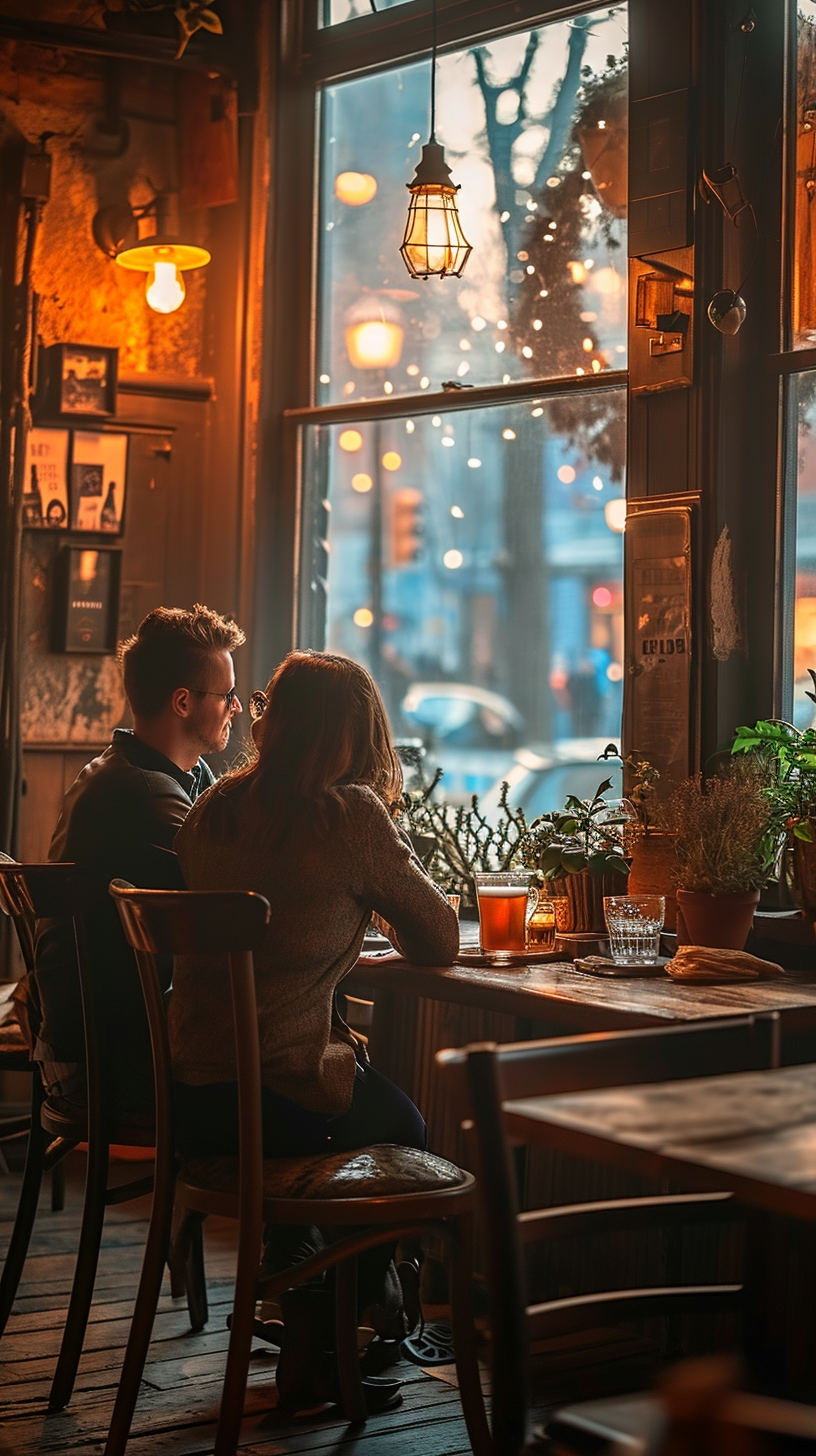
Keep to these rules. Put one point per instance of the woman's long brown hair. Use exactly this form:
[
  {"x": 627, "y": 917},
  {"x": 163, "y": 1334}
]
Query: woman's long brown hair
[{"x": 324, "y": 726}]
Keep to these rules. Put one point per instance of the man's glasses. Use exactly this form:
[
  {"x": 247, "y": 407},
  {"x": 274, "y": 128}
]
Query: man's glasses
[{"x": 229, "y": 697}]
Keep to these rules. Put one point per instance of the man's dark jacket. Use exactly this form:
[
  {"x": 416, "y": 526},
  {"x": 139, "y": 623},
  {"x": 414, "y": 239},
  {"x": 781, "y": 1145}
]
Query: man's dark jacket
[{"x": 119, "y": 817}]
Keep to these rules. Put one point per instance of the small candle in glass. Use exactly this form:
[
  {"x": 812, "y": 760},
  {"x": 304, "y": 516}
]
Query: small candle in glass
[{"x": 541, "y": 925}]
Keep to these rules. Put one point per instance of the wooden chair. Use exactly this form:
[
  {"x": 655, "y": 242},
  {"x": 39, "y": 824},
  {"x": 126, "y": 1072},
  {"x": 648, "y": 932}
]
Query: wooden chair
[
  {"x": 41, "y": 1155},
  {"x": 397, "y": 1193},
  {"x": 695, "y": 1407},
  {"x": 64, "y": 892},
  {"x": 483, "y": 1077}
]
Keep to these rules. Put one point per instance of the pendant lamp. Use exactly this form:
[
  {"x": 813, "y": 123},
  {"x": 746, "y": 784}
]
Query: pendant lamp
[{"x": 434, "y": 245}]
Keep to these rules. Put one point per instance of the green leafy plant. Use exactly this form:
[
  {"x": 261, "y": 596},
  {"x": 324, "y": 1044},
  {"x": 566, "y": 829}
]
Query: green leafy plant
[
  {"x": 788, "y": 758},
  {"x": 725, "y": 828},
  {"x": 586, "y": 835}
]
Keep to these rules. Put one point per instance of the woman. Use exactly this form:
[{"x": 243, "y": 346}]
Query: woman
[{"x": 308, "y": 825}]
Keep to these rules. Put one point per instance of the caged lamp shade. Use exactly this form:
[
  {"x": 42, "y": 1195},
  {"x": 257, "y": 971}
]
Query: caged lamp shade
[{"x": 434, "y": 245}]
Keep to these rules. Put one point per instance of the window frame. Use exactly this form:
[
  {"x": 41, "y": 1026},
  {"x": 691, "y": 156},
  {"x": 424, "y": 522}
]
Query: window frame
[
  {"x": 311, "y": 59},
  {"x": 788, "y": 365}
]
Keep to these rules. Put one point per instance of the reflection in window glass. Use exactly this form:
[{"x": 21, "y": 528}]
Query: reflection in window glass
[
  {"x": 473, "y": 562},
  {"x": 334, "y": 12},
  {"x": 804, "y": 655},
  {"x": 535, "y": 127},
  {"x": 803, "y": 292}
]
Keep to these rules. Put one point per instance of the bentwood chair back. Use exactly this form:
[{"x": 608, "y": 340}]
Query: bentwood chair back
[
  {"x": 16, "y": 903},
  {"x": 482, "y": 1078},
  {"x": 381, "y": 1194},
  {"x": 66, "y": 893}
]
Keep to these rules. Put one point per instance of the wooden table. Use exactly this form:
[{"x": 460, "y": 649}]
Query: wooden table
[
  {"x": 420, "y": 1009},
  {"x": 557, "y": 993},
  {"x": 752, "y": 1132}
]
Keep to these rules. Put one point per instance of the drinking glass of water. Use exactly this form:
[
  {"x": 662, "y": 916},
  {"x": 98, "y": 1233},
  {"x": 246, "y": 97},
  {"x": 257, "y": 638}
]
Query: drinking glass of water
[{"x": 634, "y": 923}]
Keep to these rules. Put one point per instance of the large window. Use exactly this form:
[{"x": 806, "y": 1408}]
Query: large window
[
  {"x": 471, "y": 554},
  {"x": 535, "y": 130},
  {"x": 803, "y": 337}
]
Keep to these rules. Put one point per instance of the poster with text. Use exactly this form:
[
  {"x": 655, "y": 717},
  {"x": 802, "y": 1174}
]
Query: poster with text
[
  {"x": 98, "y": 467},
  {"x": 45, "y": 493}
]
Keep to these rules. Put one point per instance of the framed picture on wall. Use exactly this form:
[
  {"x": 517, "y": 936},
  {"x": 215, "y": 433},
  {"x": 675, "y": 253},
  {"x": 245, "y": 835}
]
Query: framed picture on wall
[
  {"x": 98, "y": 482},
  {"x": 77, "y": 379},
  {"x": 45, "y": 493},
  {"x": 86, "y": 599}
]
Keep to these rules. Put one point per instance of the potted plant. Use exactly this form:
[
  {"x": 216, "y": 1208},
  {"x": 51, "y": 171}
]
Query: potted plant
[
  {"x": 725, "y": 848},
  {"x": 579, "y": 853},
  {"x": 787, "y": 755},
  {"x": 650, "y": 849},
  {"x": 455, "y": 842}
]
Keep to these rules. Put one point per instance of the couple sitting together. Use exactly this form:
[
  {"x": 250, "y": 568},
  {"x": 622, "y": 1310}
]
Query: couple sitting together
[{"x": 307, "y": 823}]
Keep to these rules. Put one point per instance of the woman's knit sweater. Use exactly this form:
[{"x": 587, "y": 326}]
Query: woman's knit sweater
[{"x": 322, "y": 898}]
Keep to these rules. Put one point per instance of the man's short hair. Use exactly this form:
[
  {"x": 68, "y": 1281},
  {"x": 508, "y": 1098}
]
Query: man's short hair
[{"x": 169, "y": 650}]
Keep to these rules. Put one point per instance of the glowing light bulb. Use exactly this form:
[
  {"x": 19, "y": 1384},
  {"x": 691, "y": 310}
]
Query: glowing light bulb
[{"x": 165, "y": 289}]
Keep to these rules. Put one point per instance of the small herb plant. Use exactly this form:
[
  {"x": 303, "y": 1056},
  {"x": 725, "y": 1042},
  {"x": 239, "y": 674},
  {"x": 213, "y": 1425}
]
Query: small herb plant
[
  {"x": 466, "y": 842},
  {"x": 586, "y": 835},
  {"x": 726, "y": 837}
]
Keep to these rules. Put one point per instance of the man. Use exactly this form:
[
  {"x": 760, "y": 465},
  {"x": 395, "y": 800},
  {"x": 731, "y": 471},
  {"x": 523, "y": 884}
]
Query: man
[{"x": 120, "y": 818}]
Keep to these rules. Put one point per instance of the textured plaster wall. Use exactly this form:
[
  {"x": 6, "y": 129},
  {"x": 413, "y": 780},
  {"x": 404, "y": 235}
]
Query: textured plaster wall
[{"x": 86, "y": 298}]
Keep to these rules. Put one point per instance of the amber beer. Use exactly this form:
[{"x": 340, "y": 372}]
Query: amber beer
[{"x": 502, "y": 912}]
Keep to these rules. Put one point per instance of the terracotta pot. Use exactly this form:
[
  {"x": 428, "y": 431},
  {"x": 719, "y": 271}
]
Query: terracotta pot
[
  {"x": 654, "y": 870},
  {"x": 579, "y": 901},
  {"x": 804, "y": 874},
  {"x": 721, "y": 921}
]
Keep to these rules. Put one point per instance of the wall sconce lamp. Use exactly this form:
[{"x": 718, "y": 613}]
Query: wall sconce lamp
[{"x": 160, "y": 252}]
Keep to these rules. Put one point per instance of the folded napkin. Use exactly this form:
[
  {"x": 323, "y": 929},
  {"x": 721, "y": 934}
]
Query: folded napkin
[{"x": 705, "y": 963}]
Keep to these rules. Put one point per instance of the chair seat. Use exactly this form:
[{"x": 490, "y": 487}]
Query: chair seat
[{"x": 376, "y": 1172}]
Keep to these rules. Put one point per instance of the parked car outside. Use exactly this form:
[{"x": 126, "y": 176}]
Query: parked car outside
[
  {"x": 468, "y": 731},
  {"x": 477, "y": 738},
  {"x": 541, "y": 777}
]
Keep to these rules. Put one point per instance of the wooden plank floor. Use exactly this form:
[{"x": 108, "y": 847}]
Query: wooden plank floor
[{"x": 179, "y": 1402}]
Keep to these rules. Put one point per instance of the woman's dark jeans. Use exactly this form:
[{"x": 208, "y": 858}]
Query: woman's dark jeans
[
  {"x": 207, "y": 1126},
  {"x": 207, "y": 1120}
]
